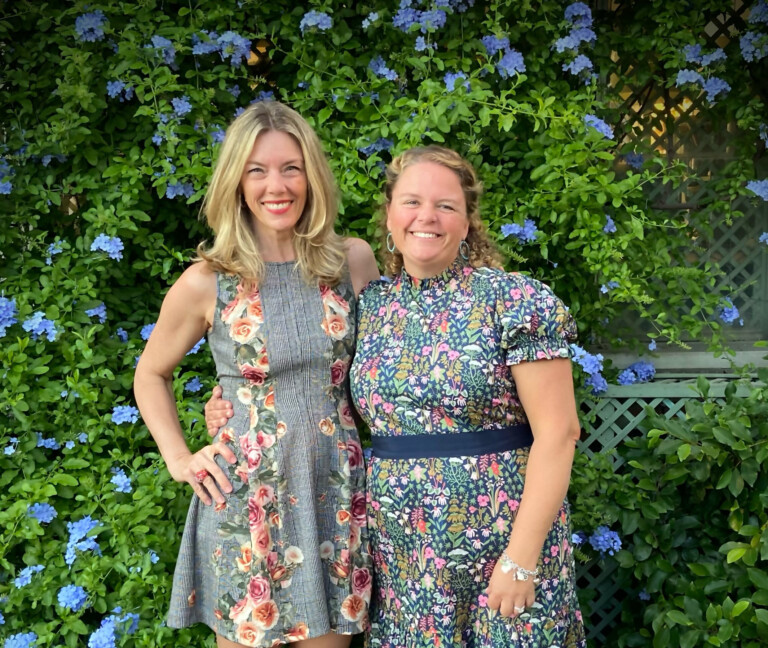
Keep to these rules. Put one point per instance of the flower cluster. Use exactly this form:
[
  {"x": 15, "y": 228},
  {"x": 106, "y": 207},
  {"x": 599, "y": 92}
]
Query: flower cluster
[
  {"x": 427, "y": 21},
  {"x": 693, "y": 54},
  {"x": 38, "y": 325},
  {"x": 230, "y": 45},
  {"x": 72, "y": 597},
  {"x": 728, "y": 313},
  {"x": 754, "y": 45},
  {"x": 90, "y": 26},
  {"x": 146, "y": 331},
  {"x": 118, "y": 89},
  {"x": 181, "y": 106},
  {"x": 451, "y": 78},
  {"x": 634, "y": 160},
  {"x": 121, "y": 481},
  {"x": 380, "y": 69},
  {"x": 111, "y": 628},
  {"x": 175, "y": 189},
  {"x": 53, "y": 249},
  {"x": 606, "y": 288},
  {"x": 592, "y": 366},
  {"x": 372, "y": 18},
  {"x": 494, "y": 44},
  {"x": 42, "y": 512},
  {"x": 7, "y": 314},
  {"x": 124, "y": 414},
  {"x": 599, "y": 125},
  {"x": 193, "y": 385},
  {"x": 197, "y": 346},
  {"x": 165, "y": 47},
  {"x": 712, "y": 85},
  {"x": 605, "y": 541},
  {"x": 381, "y": 144},
  {"x": 579, "y": 16},
  {"x": 525, "y": 233},
  {"x": 79, "y": 540},
  {"x": 112, "y": 245},
  {"x": 759, "y": 188},
  {"x": 5, "y": 174},
  {"x": 51, "y": 444},
  {"x": 638, "y": 372},
  {"x": 21, "y": 640},
  {"x": 11, "y": 447},
  {"x": 99, "y": 311},
  {"x": 763, "y": 238},
  {"x": 25, "y": 575},
  {"x": 322, "y": 21}
]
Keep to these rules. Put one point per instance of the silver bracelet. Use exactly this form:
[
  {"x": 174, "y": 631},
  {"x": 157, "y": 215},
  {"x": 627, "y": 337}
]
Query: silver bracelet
[{"x": 520, "y": 573}]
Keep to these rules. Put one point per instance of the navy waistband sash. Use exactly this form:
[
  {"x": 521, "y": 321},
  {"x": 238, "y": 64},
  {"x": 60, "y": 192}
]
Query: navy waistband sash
[{"x": 426, "y": 446}]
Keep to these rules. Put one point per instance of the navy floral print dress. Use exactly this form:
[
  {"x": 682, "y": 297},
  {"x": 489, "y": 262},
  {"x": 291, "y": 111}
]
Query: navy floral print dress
[{"x": 433, "y": 357}]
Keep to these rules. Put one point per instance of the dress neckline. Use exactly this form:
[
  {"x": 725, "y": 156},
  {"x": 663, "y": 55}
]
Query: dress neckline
[{"x": 457, "y": 270}]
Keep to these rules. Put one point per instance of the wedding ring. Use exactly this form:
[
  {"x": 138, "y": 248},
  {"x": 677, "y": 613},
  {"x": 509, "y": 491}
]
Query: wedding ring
[
  {"x": 519, "y": 610},
  {"x": 201, "y": 475}
]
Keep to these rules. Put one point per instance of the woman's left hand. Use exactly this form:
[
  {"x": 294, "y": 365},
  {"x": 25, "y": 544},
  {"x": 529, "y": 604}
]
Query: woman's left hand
[{"x": 508, "y": 596}]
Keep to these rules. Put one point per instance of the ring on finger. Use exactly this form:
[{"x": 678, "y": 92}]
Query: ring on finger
[
  {"x": 519, "y": 610},
  {"x": 201, "y": 475}
]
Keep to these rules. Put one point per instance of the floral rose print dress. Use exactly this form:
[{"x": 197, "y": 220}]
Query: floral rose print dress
[
  {"x": 286, "y": 557},
  {"x": 433, "y": 359}
]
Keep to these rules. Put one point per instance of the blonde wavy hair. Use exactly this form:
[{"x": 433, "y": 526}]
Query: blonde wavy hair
[
  {"x": 482, "y": 251},
  {"x": 320, "y": 254}
]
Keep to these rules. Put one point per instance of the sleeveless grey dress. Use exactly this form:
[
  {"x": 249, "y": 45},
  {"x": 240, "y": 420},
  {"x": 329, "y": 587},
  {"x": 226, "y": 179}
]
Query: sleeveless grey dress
[{"x": 286, "y": 557}]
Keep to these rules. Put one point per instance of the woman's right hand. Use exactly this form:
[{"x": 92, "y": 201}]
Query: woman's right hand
[
  {"x": 217, "y": 411},
  {"x": 203, "y": 474}
]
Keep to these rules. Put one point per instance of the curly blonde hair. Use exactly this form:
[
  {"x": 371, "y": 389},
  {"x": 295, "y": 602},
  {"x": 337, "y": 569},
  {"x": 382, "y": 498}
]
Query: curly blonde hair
[
  {"x": 320, "y": 254},
  {"x": 482, "y": 251}
]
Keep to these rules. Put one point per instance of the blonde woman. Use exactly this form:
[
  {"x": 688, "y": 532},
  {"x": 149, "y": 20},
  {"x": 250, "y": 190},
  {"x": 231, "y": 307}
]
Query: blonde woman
[{"x": 274, "y": 548}]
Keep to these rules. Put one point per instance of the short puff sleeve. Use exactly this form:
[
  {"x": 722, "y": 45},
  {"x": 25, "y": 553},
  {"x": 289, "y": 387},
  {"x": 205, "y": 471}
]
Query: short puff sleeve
[{"x": 535, "y": 323}]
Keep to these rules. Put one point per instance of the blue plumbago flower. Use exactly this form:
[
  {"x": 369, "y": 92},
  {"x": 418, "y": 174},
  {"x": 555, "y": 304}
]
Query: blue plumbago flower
[
  {"x": 72, "y": 597},
  {"x": 193, "y": 385},
  {"x": 692, "y": 53},
  {"x": 380, "y": 69},
  {"x": 511, "y": 63},
  {"x": 754, "y": 46},
  {"x": 406, "y": 17},
  {"x": 381, "y": 144},
  {"x": 728, "y": 313},
  {"x": 652, "y": 345},
  {"x": 121, "y": 481},
  {"x": 422, "y": 45},
  {"x": 113, "y": 246},
  {"x": 610, "y": 226},
  {"x": 118, "y": 89},
  {"x": 181, "y": 106},
  {"x": 99, "y": 311},
  {"x": 234, "y": 47},
  {"x": 597, "y": 383},
  {"x": 217, "y": 135},
  {"x": 643, "y": 595},
  {"x": 574, "y": 38},
  {"x": 525, "y": 233},
  {"x": 5, "y": 174},
  {"x": 20, "y": 640},
  {"x": 579, "y": 14},
  {"x": 166, "y": 48},
  {"x": 688, "y": 76},
  {"x": 124, "y": 414},
  {"x": 53, "y": 249},
  {"x": 578, "y": 537},
  {"x": 591, "y": 364},
  {"x": 634, "y": 160},
  {"x": 153, "y": 557},
  {"x": 79, "y": 540},
  {"x": 606, "y": 288},
  {"x": 46, "y": 159},
  {"x": 69, "y": 445},
  {"x": 627, "y": 377},
  {"x": 759, "y": 13},
  {"x": 11, "y": 447},
  {"x": 264, "y": 95},
  {"x": 759, "y": 188},
  {"x": 2, "y": 619},
  {"x": 432, "y": 20},
  {"x": 763, "y": 133},
  {"x": 7, "y": 314},
  {"x": 713, "y": 86},
  {"x": 599, "y": 125},
  {"x": 175, "y": 189},
  {"x": 318, "y": 19},
  {"x": 235, "y": 91},
  {"x": 157, "y": 139},
  {"x": 82, "y": 437},
  {"x": 90, "y": 26},
  {"x": 208, "y": 45},
  {"x": 122, "y": 334},
  {"x": 104, "y": 637},
  {"x": 372, "y": 18},
  {"x": 451, "y": 78},
  {"x": 580, "y": 64},
  {"x": 494, "y": 44},
  {"x": 567, "y": 42},
  {"x": 38, "y": 325},
  {"x": 146, "y": 331},
  {"x": 51, "y": 443},
  {"x": 197, "y": 346},
  {"x": 42, "y": 512},
  {"x": 717, "y": 55},
  {"x": 25, "y": 575},
  {"x": 604, "y": 540}
]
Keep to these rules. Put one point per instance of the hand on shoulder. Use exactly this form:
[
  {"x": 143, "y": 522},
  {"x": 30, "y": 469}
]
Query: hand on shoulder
[{"x": 362, "y": 263}]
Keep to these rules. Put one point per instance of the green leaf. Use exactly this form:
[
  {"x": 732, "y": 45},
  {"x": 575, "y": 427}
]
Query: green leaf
[
  {"x": 739, "y": 608},
  {"x": 676, "y": 616}
]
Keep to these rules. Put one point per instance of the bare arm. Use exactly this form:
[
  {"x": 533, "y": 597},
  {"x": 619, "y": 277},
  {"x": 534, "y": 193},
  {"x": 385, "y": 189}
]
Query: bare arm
[
  {"x": 545, "y": 389},
  {"x": 362, "y": 264},
  {"x": 184, "y": 317}
]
